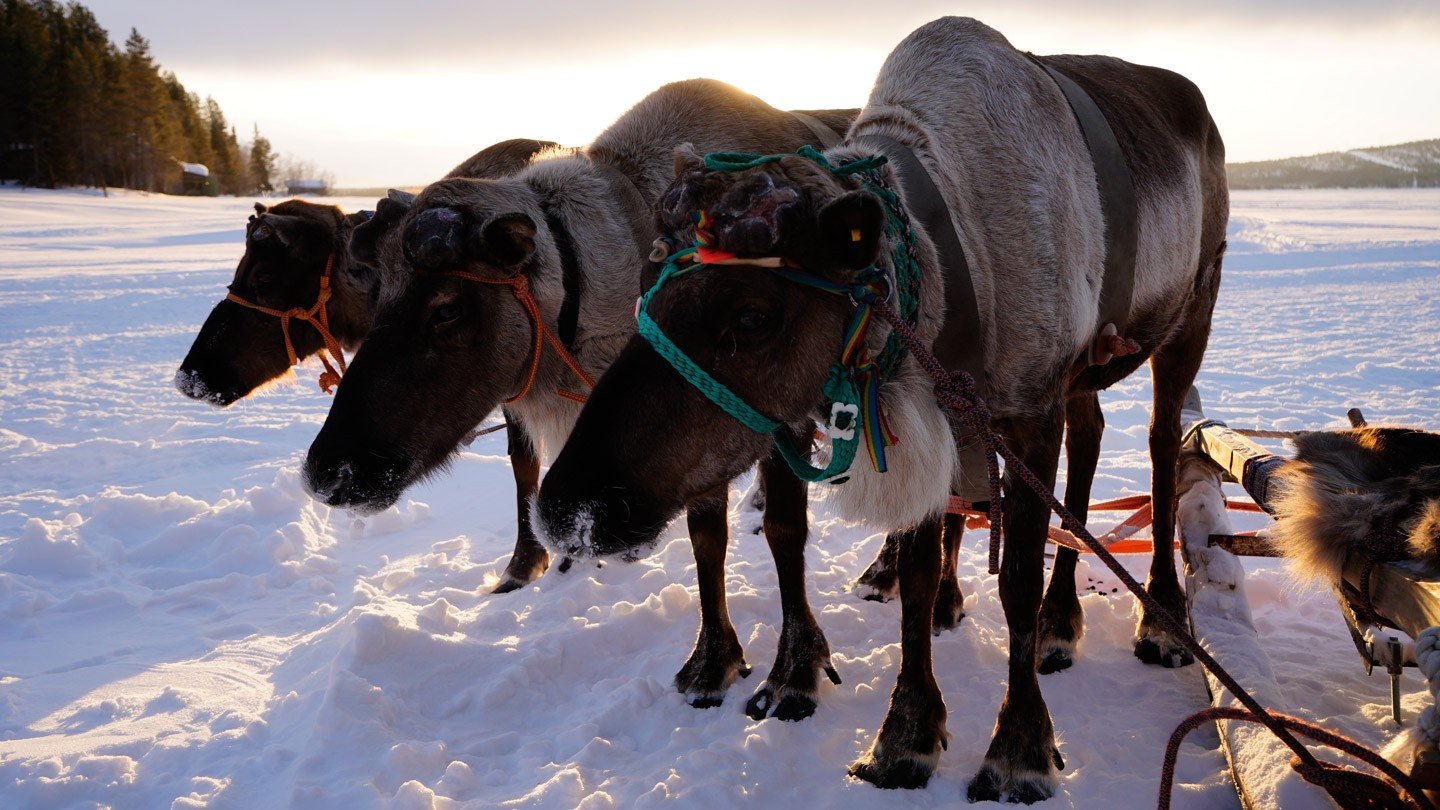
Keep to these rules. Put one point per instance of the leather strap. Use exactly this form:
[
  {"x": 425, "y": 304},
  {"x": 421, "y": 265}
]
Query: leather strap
[
  {"x": 634, "y": 211},
  {"x": 1117, "y": 204},
  {"x": 569, "y": 319},
  {"x": 960, "y": 345},
  {"x": 825, "y": 137}
]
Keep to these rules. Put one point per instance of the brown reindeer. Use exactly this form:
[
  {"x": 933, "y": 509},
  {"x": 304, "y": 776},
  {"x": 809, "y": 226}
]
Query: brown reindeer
[
  {"x": 291, "y": 249},
  {"x": 1000, "y": 141},
  {"x": 485, "y": 270}
]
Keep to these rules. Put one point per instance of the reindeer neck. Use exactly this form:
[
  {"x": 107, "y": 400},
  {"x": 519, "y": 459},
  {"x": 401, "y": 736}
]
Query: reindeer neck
[
  {"x": 587, "y": 222},
  {"x": 349, "y": 309}
]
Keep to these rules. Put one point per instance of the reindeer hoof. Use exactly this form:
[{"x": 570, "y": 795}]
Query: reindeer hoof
[
  {"x": 949, "y": 610},
  {"x": 508, "y": 584},
  {"x": 1019, "y": 788},
  {"x": 904, "y": 773},
  {"x": 712, "y": 668},
  {"x": 877, "y": 584},
  {"x": 790, "y": 705},
  {"x": 522, "y": 570},
  {"x": 985, "y": 787},
  {"x": 1056, "y": 661},
  {"x": 1163, "y": 650}
]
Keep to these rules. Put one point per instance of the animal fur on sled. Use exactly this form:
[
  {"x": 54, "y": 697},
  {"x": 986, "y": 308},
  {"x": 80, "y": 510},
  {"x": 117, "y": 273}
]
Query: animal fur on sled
[{"x": 1348, "y": 490}]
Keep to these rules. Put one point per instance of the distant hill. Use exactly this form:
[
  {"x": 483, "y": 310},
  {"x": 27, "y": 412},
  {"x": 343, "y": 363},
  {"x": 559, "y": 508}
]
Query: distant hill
[{"x": 1405, "y": 165}]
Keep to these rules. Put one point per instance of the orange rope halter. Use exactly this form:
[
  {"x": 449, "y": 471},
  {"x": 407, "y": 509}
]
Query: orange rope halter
[
  {"x": 520, "y": 288},
  {"x": 317, "y": 317}
]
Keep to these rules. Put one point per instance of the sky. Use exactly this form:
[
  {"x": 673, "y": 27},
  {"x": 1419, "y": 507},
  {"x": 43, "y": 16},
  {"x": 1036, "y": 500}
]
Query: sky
[{"x": 396, "y": 93}]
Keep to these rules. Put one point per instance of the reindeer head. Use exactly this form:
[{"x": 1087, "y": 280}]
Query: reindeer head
[
  {"x": 287, "y": 249},
  {"x": 445, "y": 352},
  {"x": 648, "y": 442}
]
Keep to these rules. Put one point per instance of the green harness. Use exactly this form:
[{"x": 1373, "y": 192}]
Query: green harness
[{"x": 852, "y": 394}]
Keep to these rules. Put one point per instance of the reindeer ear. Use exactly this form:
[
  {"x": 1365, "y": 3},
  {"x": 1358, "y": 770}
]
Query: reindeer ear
[
  {"x": 508, "y": 240},
  {"x": 687, "y": 160},
  {"x": 683, "y": 196},
  {"x": 268, "y": 228},
  {"x": 752, "y": 217},
  {"x": 365, "y": 238},
  {"x": 850, "y": 229},
  {"x": 364, "y": 244},
  {"x": 260, "y": 208}
]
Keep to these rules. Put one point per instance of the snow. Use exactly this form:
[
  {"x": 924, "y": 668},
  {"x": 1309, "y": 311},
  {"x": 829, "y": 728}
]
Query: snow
[{"x": 184, "y": 627}]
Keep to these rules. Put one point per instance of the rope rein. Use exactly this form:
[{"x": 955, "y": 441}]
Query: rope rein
[
  {"x": 316, "y": 316},
  {"x": 520, "y": 288}
]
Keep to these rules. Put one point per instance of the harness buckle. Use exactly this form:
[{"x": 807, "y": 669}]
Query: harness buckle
[{"x": 843, "y": 416}]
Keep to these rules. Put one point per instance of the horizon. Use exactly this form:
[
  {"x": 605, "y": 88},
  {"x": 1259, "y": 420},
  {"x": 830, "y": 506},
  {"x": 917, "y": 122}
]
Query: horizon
[{"x": 407, "y": 94}]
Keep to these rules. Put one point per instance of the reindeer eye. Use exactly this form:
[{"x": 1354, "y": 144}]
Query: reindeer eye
[
  {"x": 750, "y": 320},
  {"x": 446, "y": 313}
]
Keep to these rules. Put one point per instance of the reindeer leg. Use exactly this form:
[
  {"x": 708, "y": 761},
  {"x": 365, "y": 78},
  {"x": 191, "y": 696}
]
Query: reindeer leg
[
  {"x": 1022, "y": 760},
  {"x": 881, "y": 581},
  {"x": 907, "y": 749},
  {"x": 949, "y": 601},
  {"x": 718, "y": 657},
  {"x": 1062, "y": 622},
  {"x": 790, "y": 688},
  {"x": 1173, "y": 368},
  {"x": 529, "y": 560}
]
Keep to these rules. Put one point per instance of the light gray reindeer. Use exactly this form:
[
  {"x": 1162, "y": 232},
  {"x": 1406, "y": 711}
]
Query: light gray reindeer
[{"x": 752, "y": 330}]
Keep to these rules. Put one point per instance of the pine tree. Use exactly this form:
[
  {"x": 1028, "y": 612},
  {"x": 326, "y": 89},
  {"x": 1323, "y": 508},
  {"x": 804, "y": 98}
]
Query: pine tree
[
  {"x": 263, "y": 161},
  {"x": 76, "y": 109}
]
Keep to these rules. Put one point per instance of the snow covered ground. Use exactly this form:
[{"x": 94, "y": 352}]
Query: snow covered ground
[{"x": 180, "y": 626}]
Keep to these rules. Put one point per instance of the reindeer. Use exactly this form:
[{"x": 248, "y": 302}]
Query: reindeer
[
  {"x": 486, "y": 270},
  {"x": 295, "y": 253},
  {"x": 746, "y": 338}
]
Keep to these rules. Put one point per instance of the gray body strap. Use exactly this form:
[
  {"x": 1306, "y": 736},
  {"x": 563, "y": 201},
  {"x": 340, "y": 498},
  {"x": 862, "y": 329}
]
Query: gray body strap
[
  {"x": 960, "y": 346},
  {"x": 1118, "y": 206},
  {"x": 825, "y": 137}
]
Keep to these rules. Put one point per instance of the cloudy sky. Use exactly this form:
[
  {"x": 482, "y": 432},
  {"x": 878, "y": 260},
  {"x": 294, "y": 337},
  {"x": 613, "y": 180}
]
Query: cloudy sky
[{"x": 381, "y": 92}]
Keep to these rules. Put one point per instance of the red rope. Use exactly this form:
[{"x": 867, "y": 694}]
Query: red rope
[
  {"x": 956, "y": 391},
  {"x": 317, "y": 316},
  {"x": 520, "y": 288}
]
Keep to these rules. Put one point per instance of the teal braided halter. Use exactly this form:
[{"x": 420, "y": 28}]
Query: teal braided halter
[{"x": 852, "y": 391}]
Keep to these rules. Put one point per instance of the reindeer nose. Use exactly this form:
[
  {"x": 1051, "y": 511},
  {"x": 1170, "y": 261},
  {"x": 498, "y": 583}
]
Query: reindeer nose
[
  {"x": 329, "y": 484},
  {"x": 433, "y": 239}
]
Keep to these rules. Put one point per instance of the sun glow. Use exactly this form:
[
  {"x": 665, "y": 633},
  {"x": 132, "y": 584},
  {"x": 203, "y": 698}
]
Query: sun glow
[{"x": 1275, "y": 92}]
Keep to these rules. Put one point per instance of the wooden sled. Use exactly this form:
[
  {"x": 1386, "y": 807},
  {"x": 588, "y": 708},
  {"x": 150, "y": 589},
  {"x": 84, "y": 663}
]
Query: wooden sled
[{"x": 1400, "y": 597}]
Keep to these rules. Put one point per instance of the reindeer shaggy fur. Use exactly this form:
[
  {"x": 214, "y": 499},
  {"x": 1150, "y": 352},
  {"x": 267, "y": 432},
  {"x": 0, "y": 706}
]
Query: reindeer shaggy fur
[{"x": 1347, "y": 490}]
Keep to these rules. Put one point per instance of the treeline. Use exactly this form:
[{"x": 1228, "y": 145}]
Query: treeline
[{"x": 77, "y": 110}]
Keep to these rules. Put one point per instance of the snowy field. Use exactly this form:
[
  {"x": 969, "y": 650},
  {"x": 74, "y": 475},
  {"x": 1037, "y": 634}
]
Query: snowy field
[{"x": 181, "y": 626}]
